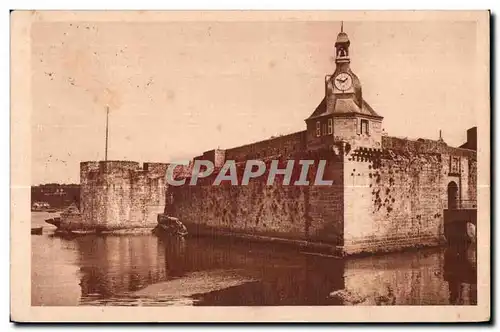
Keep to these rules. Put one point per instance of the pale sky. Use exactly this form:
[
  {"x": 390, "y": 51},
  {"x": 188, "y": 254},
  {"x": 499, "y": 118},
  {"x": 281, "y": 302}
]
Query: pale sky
[{"x": 178, "y": 89}]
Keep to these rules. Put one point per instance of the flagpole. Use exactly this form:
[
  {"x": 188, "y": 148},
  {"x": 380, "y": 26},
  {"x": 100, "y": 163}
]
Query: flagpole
[{"x": 106, "y": 147}]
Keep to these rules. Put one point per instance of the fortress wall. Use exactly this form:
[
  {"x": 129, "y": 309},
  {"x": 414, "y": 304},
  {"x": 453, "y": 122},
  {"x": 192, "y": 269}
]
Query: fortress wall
[
  {"x": 326, "y": 205},
  {"x": 151, "y": 189},
  {"x": 272, "y": 147},
  {"x": 472, "y": 179},
  {"x": 411, "y": 189},
  {"x": 138, "y": 193},
  {"x": 92, "y": 198},
  {"x": 460, "y": 177},
  {"x": 395, "y": 197},
  {"x": 217, "y": 156},
  {"x": 118, "y": 191},
  {"x": 121, "y": 194},
  {"x": 464, "y": 180},
  {"x": 467, "y": 179},
  {"x": 291, "y": 212},
  {"x": 466, "y": 175},
  {"x": 392, "y": 200}
]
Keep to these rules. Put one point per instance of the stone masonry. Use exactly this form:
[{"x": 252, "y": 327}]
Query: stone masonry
[{"x": 121, "y": 194}]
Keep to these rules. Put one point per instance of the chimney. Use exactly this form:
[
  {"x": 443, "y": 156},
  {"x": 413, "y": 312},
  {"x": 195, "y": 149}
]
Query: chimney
[{"x": 472, "y": 138}]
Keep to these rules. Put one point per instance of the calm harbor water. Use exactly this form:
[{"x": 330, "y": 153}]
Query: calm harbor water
[{"x": 149, "y": 270}]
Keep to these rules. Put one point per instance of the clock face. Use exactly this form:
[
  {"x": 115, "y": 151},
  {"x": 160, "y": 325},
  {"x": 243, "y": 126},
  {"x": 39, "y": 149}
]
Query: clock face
[{"x": 343, "y": 81}]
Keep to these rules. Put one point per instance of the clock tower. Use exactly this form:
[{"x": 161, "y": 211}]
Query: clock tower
[{"x": 343, "y": 115}]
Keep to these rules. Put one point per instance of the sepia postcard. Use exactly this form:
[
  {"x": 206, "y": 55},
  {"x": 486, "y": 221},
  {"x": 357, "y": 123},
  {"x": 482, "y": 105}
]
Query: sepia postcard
[{"x": 250, "y": 166}]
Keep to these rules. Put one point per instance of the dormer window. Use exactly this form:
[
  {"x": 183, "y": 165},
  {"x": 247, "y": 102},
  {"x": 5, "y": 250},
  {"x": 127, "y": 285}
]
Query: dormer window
[
  {"x": 318, "y": 129},
  {"x": 365, "y": 127}
]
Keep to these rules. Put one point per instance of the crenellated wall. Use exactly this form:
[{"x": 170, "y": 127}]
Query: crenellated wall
[
  {"x": 392, "y": 200},
  {"x": 382, "y": 199},
  {"x": 395, "y": 196},
  {"x": 282, "y": 145},
  {"x": 121, "y": 194},
  {"x": 303, "y": 213}
]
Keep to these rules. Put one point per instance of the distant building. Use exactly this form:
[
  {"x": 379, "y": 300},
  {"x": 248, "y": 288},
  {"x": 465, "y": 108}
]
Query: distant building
[
  {"x": 56, "y": 195},
  {"x": 40, "y": 206}
]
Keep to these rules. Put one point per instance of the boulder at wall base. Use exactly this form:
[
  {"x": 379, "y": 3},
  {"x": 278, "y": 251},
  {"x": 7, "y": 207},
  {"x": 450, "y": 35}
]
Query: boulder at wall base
[
  {"x": 163, "y": 219},
  {"x": 471, "y": 232},
  {"x": 171, "y": 226}
]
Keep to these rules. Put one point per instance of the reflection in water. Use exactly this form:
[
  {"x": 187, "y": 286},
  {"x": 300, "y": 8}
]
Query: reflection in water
[
  {"x": 460, "y": 271},
  {"x": 118, "y": 264},
  {"x": 53, "y": 272},
  {"x": 151, "y": 270}
]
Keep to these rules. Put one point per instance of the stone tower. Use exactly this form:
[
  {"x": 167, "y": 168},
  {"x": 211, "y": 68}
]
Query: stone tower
[{"x": 343, "y": 115}]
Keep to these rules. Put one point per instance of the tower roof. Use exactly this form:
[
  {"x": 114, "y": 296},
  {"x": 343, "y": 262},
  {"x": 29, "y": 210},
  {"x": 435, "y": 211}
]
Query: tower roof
[
  {"x": 343, "y": 107},
  {"x": 348, "y": 102},
  {"x": 342, "y": 38}
]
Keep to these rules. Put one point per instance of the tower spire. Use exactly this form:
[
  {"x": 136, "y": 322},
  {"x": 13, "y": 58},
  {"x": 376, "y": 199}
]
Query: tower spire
[{"x": 342, "y": 46}]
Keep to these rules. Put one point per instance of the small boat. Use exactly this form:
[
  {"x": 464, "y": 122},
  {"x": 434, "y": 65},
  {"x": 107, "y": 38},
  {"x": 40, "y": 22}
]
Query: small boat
[
  {"x": 51, "y": 210},
  {"x": 72, "y": 233},
  {"x": 37, "y": 230},
  {"x": 82, "y": 232}
]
